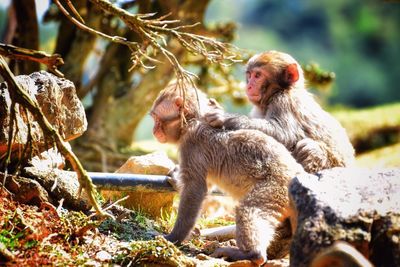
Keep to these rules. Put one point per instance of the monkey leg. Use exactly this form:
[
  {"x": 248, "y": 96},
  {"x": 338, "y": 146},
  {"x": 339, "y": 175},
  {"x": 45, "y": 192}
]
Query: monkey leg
[
  {"x": 312, "y": 155},
  {"x": 280, "y": 246},
  {"x": 257, "y": 217}
]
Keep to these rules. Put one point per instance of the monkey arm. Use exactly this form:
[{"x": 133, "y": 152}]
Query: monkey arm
[
  {"x": 192, "y": 195},
  {"x": 218, "y": 119},
  {"x": 172, "y": 177},
  {"x": 235, "y": 122}
]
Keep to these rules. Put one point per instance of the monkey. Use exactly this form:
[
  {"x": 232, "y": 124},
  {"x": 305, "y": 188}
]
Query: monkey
[
  {"x": 285, "y": 110},
  {"x": 247, "y": 164}
]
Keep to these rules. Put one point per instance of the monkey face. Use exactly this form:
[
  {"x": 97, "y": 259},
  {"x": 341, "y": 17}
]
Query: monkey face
[
  {"x": 167, "y": 121},
  {"x": 167, "y": 130},
  {"x": 255, "y": 79},
  {"x": 268, "y": 73}
]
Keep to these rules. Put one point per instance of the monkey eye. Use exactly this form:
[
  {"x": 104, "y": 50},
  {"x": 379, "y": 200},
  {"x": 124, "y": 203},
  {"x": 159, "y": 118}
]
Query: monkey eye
[{"x": 170, "y": 118}]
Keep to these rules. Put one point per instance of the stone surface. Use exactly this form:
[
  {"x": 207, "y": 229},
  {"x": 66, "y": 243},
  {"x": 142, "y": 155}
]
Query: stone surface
[
  {"x": 153, "y": 163},
  {"x": 154, "y": 204},
  {"x": 359, "y": 206},
  {"x": 25, "y": 190},
  {"x": 49, "y": 159},
  {"x": 60, "y": 185},
  {"x": 58, "y": 101}
]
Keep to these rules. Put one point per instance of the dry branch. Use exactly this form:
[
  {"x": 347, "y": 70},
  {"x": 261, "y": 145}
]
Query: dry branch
[
  {"x": 19, "y": 53},
  {"x": 18, "y": 95},
  {"x": 153, "y": 32}
]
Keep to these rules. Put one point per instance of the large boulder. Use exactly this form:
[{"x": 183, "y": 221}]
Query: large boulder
[
  {"x": 359, "y": 206},
  {"x": 58, "y": 101},
  {"x": 154, "y": 204}
]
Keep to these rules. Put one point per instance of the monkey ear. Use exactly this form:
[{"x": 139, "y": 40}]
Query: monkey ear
[
  {"x": 180, "y": 105},
  {"x": 178, "y": 102},
  {"x": 291, "y": 73}
]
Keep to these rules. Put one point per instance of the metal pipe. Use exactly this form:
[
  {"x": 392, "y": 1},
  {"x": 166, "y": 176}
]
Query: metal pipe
[
  {"x": 130, "y": 182},
  {"x": 134, "y": 182}
]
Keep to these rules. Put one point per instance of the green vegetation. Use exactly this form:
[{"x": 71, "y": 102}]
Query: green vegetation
[
  {"x": 388, "y": 156},
  {"x": 371, "y": 127},
  {"x": 158, "y": 251}
]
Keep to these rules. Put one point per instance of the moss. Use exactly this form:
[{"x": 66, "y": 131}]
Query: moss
[{"x": 154, "y": 252}]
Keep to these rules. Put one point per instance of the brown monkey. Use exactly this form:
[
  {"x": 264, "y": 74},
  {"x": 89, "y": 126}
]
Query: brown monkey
[
  {"x": 247, "y": 164},
  {"x": 284, "y": 110}
]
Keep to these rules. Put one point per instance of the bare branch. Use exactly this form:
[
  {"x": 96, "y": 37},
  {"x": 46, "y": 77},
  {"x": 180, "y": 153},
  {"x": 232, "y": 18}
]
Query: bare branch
[
  {"x": 82, "y": 26},
  {"x": 153, "y": 31},
  {"x": 19, "y": 53}
]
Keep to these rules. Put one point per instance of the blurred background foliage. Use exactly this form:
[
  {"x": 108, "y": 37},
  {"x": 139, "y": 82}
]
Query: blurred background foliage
[{"x": 358, "y": 40}]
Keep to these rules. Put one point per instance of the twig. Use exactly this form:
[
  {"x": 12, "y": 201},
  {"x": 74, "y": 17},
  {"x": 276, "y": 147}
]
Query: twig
[
  {"x": 82, "y": 26},
  {"x": 116, "y": 202},
  {"x": 153, "y": 32},
  {"x": 18, "y": 95},
  {"x": 111, "y": 205},
  {"x": 9, "y": 143},
  {"x": 19, "y": 53}
]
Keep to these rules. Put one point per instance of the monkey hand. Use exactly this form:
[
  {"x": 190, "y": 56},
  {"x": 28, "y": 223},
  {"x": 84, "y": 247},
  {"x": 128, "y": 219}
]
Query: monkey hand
[
  {"x": 235, "y": 254},
  {"x": 213, "y": 103},
  {"x": 172, "y": 238},
  {"x": 172, "y": 177},
  {"x": 311, "y": 154},
  {"x": 215, "y": 118}
]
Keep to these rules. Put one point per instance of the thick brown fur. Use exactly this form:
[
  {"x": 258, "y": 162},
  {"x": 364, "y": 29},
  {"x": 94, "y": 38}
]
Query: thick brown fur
[
  {"x": 249, "y": 165},
  {"x": 284, "y": 110}
]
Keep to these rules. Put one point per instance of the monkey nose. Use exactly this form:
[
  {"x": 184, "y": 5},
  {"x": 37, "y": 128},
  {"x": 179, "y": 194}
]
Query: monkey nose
[{"x": 250, "y": 88}]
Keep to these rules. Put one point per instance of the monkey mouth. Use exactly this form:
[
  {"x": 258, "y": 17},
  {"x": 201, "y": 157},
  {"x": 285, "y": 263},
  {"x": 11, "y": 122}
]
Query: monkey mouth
[{"x": 254, "y": 98}]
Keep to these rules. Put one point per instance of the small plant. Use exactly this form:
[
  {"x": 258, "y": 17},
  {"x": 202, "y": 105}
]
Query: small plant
[
  {"x": 166, "y": 221},
  {"x": 158, "y": 251},
  {"x": 11, "y": 239}
]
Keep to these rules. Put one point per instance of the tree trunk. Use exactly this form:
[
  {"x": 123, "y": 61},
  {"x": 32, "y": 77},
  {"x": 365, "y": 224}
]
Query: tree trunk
[
  {"x": 122, "y": 115},
  {"x": 23, "y": 31},
  {"x": 75, "y": 45}
]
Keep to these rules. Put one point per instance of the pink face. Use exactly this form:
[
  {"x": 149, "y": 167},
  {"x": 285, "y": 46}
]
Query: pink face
[
  {"x": 167, "y": 120},
  {"x": 158, "y": 131},
  {"x": 255, "y": 79}
]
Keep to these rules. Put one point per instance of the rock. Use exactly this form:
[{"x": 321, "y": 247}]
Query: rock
[
  {"x": 359, "y": 206},
  {"x": 153, "y": 163},
  {"x": 340, "y": 254},
  {"x": 103, "y": 256},
  {"x": 49, "y": 159},
  {"x": 25, "y": 190},
  {"x": 277, "y": 263},
  {"x": 243, "y": 263},
  {"x": 60, "y": 185},
  {"x": 154, "y": 204},
  {"x": 58, "y": 101}
]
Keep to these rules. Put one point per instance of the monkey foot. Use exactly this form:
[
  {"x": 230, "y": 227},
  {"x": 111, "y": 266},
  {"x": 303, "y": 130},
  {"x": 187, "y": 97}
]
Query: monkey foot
[{"x": 235, "y": 254}]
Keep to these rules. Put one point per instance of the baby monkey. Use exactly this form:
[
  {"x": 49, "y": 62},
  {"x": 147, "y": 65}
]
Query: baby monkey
[
  {"x": 247, "y": 164},
  {"x": 283, "y": 109}
]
